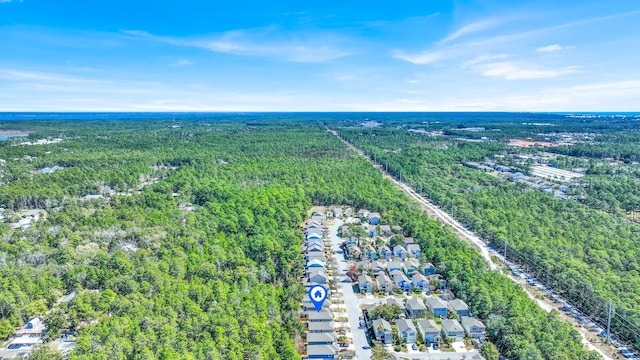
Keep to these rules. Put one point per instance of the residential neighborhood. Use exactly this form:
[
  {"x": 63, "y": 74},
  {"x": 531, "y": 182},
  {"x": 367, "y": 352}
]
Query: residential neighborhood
[{"x": 392, "y": 295}]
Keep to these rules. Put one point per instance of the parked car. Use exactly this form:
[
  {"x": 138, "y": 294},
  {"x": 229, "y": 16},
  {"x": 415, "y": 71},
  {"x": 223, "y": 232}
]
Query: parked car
[
  {"x": 14, "y": 346},
  {"x": 414, "y": 347},
  {"x": 366, "y": 347}
]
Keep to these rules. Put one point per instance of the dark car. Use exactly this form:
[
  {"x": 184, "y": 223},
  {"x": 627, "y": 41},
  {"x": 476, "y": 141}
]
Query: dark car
[
  {"x": 366, "y": 347},
  {"x": 435, "y": 347},
  {"x": 14, "y": 346},
  {"x": 414, "y": 347}
]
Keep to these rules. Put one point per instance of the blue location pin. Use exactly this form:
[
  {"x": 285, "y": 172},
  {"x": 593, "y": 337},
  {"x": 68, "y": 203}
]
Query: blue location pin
[{"x": 317, "y": 295}]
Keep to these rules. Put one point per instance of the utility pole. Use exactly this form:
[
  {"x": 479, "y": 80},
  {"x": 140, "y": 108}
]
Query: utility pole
[{"x": 610, "y": 303}]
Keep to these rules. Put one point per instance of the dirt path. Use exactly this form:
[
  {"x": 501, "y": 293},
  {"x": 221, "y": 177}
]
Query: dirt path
[{"x": 475, "y": 242}]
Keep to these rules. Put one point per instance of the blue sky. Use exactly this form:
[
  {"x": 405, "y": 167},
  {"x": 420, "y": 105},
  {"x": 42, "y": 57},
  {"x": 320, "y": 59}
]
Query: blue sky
[{"x": 327, "y": 55}]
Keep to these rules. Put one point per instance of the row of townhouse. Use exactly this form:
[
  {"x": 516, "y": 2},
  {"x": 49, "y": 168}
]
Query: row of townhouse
[
  {"x": 404, "y": 275},
  {"x": 321, "y": 338},
  {"x": 428, "y": 330}
]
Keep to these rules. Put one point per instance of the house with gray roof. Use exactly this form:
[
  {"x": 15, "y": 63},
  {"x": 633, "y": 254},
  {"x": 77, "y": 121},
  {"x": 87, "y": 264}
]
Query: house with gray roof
[
  {"x": 396, "y": 301},
  {"x": 384, "y": 283},
  {"x": 452, "y": 329},
  {"x": 316, "y": 255},
  {"x": 474, "y": 328},
  {"x": 420, "y": 281},
  {"x": 366, "y": 285},
  {"x": 384, "y": 252},
  {"x": 382, "y": 331},
  {"x": 348, "y": 212},
  {"x": 374, "y": 218},
  {"x": 402, "y": 281},
  {"x": 400, "y": 251},
  {"x": 394, "y": 265},
  {"x": 460, "y": 307},
  {"x": 411, "y": 266},
  {"x": 385, "y": 230},
  {"x": 320, "y": 327},
  {"x": 428, "y": 269},
  {"x": 429, "y": 331},
  {"x": 315, "y": 231},
  {"x": 416, "y": 308},
  {"x": 314, "y": 247},
  {"x": 378, "y": 267},
  {"x": 308, "y": 305},
  {"x": 437, "y": 306},
  {"x": 316, "y": 263},
  {"x": 363, "y": 213},
  {"x": 319, "y": 316},
  {"x": 317, "y": 276},
  {"x": 319, "y": 218},
  {"x": 321, "y": 338},
  {"x": 413, "y": 250},
  {"x": 407, "y": 330},
  {"x": 322, "y": 351},
  {"x": 372, "y": 230}
]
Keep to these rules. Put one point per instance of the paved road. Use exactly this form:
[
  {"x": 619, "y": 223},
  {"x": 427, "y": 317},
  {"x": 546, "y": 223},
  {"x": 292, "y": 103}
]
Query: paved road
[
  {"x": 475, "y": 241},
  {"x": 351, "y": 301}
]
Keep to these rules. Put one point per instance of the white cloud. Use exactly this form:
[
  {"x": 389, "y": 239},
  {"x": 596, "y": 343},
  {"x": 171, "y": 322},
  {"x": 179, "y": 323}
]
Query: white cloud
[
  {"x": 22, "y": 75},
  {"x": 345, "y": 77},
  {"x": 484, "y": 58},
  {"x": 264, "y": 42},
  {"x": 426, "y": 57},
  {"x": 471, "y": 28},
  {"x": 26, "y": 90},
  {"x": 550, "y": 48},
  {"x": 509, "y": 70},
  {"x": 182, "y": 62}
]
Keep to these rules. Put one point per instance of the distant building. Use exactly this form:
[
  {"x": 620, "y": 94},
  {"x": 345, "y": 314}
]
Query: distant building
[
  {"x": 428, "y": 269},
  {"x": 374, "y": 218},
  {"x": 35, "y": 323}
]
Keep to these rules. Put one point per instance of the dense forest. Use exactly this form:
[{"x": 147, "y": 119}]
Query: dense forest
[
  {"x": 193, "y": 251},
  {"x": 589, "y": 255}
]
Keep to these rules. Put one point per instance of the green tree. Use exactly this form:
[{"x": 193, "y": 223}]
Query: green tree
[
  {"x": 489, "y": 351},
  {"x": 43, "y": 352},
  {"x": 54, "y": 321},
  {"x": 387, "y": 312},
  {"x": 380, "y": 353}
]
